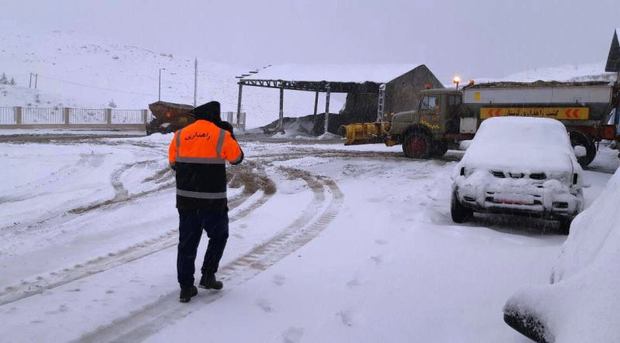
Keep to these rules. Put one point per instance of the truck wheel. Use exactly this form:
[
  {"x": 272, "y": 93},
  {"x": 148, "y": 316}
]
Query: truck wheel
[
  {"x": 459, "y": 213},
  {"x": 579, "y": 139},
  {"x": 417, "y": 145}
]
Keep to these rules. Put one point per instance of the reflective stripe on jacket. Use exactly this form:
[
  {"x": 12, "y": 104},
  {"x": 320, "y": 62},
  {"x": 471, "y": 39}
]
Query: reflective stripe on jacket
[{"x": 199, "y": 152}]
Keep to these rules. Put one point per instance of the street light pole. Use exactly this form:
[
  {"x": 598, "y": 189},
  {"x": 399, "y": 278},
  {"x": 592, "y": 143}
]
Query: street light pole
[{"x": 159, "y": 88}]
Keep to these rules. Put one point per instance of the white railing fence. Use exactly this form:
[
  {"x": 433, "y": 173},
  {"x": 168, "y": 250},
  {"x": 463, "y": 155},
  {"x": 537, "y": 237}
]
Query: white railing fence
[
  {"x": 24, "y": 117},
  {"x": 48, "y": 117}
]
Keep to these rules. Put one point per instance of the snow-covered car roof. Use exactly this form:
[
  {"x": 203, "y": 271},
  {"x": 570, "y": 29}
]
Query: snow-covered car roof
[{"x": 521, "y": 144}]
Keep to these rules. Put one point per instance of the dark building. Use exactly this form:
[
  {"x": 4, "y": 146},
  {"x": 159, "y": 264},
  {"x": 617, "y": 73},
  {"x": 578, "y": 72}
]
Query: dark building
[{"x": 401, "y": 94}]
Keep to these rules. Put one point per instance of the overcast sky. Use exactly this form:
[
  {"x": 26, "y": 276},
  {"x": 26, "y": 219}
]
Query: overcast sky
[{"x": 476, "y": 37}]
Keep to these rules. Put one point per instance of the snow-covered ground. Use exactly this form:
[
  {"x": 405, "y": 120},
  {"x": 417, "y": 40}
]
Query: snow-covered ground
[{"x": 328, "y": 243}]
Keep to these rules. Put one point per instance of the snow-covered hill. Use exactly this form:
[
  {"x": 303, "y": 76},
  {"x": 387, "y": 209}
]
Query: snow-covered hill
[
  {"x": 76, "y": 71},
  {"x": 79, "y": 71}
]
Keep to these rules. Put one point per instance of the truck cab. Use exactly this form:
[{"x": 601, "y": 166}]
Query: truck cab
[{"x": 432, "y": 127}]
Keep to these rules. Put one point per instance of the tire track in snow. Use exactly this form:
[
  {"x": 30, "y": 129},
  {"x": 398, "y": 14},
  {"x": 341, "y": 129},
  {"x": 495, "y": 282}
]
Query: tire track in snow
[
  {"x": 143, "y": 323},
  {"x": 168, "y": 239},
  {"x": 121, "y": 195},
  {"x": 40, "y": 283}
]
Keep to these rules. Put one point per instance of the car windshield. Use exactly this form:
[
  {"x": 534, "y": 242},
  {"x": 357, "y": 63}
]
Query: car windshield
[
  {"x": 517, "y": 143},
  {"x": 533, "y": 132}
]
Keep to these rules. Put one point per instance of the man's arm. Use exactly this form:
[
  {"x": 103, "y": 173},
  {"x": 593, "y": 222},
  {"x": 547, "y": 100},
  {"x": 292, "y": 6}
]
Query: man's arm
[{"x": 231, "y": 151}]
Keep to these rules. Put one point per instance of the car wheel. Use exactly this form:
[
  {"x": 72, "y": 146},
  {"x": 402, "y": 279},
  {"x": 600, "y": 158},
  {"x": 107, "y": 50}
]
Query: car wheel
[
  {"x": 565, "y": 225},
  {"x": 417, "y": 145},
  {"x": 459, "y": 213}
]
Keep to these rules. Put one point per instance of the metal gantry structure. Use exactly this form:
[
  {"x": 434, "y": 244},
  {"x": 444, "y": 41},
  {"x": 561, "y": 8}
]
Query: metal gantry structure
[{"x": 317, "y": 87}]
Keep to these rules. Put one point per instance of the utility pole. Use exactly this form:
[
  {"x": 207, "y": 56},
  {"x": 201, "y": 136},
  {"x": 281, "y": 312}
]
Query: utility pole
[
  {"x": 195, "y": 80},
  {"x": 159, "y": 88},
  {"x": 36, "y": 80},
  {"x": 30, "y": 81},
  {"x": 327, "y": 94}
]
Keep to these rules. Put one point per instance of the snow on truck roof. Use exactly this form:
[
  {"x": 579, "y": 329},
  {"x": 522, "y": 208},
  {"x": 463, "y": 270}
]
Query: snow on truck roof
[
  {"x": 358, "y": 73},
  {"x": 539, "y": 83}
]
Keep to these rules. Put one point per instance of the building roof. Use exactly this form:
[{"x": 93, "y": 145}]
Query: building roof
[
  {"x": 613, "y": 59},
  {"x": 380, "y": 73}
]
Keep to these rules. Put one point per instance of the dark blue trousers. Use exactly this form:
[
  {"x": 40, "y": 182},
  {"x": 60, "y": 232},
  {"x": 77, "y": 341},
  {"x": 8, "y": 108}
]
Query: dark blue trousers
[{"x": 191, "y": 224}]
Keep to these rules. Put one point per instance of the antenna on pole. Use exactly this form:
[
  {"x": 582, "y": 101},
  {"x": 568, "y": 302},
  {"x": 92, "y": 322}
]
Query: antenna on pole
[{"x": 195, "y": 80}]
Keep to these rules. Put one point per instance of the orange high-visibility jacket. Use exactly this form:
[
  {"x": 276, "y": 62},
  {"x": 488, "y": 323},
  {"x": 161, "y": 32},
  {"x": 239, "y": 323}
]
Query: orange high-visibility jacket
[{"x": 198, "y": 153}]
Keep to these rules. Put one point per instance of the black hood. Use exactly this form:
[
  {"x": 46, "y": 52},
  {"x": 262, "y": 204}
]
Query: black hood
[{"x": 209, "y": 111}]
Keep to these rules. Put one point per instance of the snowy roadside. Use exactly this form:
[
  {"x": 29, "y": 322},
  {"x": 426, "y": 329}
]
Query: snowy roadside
[{"x": 382, "y": 262}]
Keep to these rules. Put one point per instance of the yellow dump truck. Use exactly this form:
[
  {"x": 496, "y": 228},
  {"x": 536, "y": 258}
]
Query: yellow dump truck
[{"x": 446, "y": 116}]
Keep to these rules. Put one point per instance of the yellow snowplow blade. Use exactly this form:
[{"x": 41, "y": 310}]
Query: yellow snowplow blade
[{"x": 364, "y": 133}]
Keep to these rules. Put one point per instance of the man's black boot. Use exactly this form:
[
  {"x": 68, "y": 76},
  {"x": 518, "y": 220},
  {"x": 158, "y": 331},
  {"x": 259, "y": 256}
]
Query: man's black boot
[
  {"x": 187, "y": 293},
  {"x": 208, "y": 281}
]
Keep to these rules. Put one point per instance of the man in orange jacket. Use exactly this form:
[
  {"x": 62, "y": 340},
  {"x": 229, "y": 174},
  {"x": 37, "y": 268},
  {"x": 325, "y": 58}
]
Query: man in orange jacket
[{"x": 198, "y": 153}]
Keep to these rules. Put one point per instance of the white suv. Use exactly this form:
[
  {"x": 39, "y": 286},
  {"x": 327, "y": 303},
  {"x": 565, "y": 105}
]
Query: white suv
[{"x": 519, "y": 165}]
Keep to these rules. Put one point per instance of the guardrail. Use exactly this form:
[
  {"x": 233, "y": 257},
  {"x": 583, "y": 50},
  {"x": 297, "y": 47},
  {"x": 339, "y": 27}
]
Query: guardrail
[{"x": 66, "y": 117}]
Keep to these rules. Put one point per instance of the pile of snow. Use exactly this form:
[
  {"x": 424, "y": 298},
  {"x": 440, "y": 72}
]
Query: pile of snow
[{"x": 583, "y": 300}]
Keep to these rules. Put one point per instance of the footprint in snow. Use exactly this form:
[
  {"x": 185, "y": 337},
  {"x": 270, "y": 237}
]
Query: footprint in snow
[
  {"x": 377, "y": 259},
  {"x": 292, "y": 335},
  {"x": 279, "y": 279},
  {"x": 238, "y": 236},
  {"x": 61, "y": 308},
  {"x": 346, "y": 317},
  {"x": 353, "y": 283},
  {"x": 380, "y": 241},
  {"x": 264, "y": 305}
]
